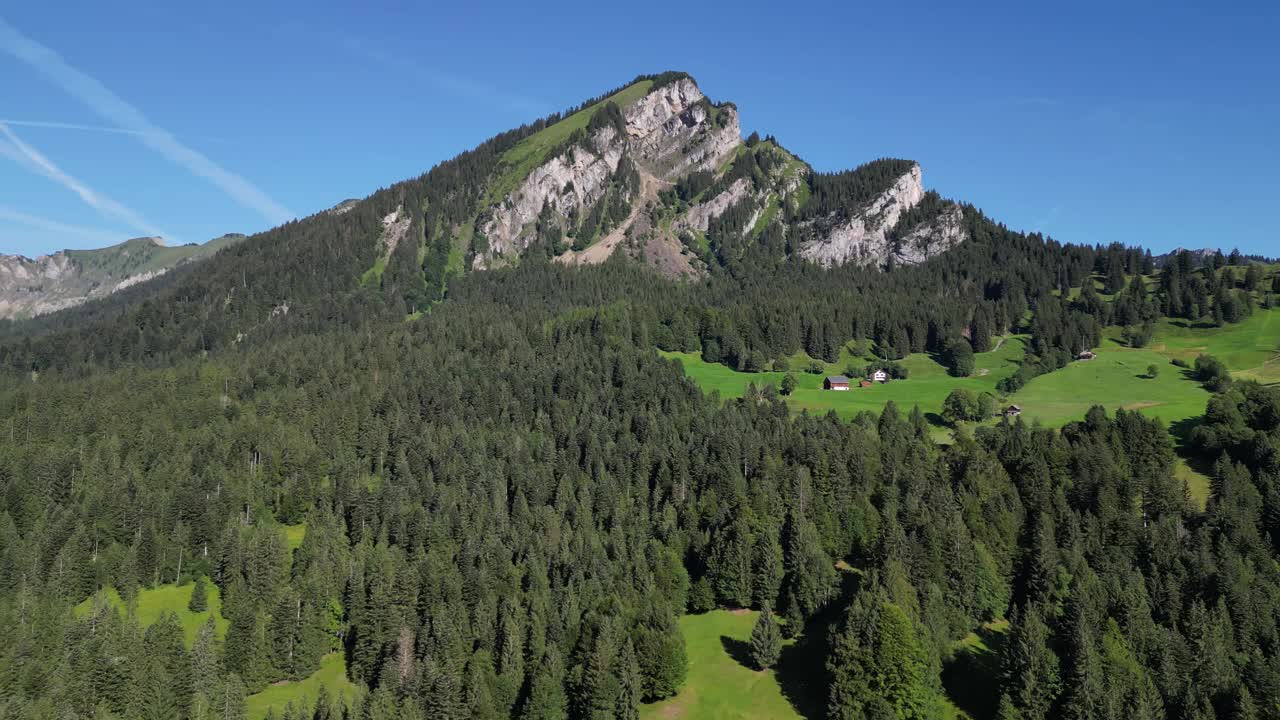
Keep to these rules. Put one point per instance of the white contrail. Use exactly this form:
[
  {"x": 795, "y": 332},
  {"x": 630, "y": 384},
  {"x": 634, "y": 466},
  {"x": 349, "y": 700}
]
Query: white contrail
[
  {"x": 95, "y": 235},
  {"x": 24, "y": 154},
  {"x": 125, "y": 116},
  {"x": 67, "y": 126}
]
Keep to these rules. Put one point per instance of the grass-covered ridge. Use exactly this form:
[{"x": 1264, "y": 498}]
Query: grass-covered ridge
[
  {"x": 142, "y": 255},
  {"x": 536, "y": 149}
]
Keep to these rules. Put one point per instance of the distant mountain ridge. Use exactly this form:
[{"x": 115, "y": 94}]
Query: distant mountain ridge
[{"x": 36, "y": 286}]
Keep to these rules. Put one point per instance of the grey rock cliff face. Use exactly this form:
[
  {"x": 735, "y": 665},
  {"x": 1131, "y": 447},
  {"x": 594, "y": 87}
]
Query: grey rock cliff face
[
  {"x": 865, "y": 238},
  {"x": 701, "y": 215},
  {"x": 64, "y": 279},
  {"x": 668, "y": 132},
  {"x": 932, "y": 238},
  {"x": 33, "y": 287},
  {"x": 673, "y": 131}
]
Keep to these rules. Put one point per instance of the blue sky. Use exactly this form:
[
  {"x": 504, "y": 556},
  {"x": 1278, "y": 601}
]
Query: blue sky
[{"x": 1148, "y": 123}]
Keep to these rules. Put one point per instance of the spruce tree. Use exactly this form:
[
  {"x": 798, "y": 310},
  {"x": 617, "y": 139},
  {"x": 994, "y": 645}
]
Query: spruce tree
[
  {"x": 766, "y": 641},
  {"x": 199, "y": 597},
  {"x": 546, "y": 699}
]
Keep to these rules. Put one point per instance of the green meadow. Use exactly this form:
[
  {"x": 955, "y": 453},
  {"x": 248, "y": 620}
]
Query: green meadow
[
  {"x": 153, "y": 602},
  {"x": 927, "y": 384},
  {"x": 332, "y": 675},
  {"x": 293, "y": 535},
  {"x": 1117, "y": 378},
  {"x": 721, "y": 685}
]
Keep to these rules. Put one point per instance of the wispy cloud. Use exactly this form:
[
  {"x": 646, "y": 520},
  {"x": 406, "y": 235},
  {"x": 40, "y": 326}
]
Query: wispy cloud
[
  {"x": 1046, "y": 222},
  {"x": 114, "y": 109},
  {"x": 23, "y": 154},
  {"x": 66, "y": 232},
  {"x": 67, "y": 126}
]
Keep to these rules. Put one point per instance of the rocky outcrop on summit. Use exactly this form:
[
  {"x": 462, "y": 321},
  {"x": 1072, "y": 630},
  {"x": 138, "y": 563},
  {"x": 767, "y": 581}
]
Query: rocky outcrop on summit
[
  {"x": 863, "y": 238},
  {"x": 675, "y": 130},
  {"x": 669, "y": 131}
]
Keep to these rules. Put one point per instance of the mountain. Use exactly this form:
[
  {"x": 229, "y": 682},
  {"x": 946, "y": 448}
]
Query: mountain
[
  {"x": 661, "y": 172},
  {"x": 653, "y": 171},
  {"x": 31, "y": 287},
  {"x": 540, "y": 433}
]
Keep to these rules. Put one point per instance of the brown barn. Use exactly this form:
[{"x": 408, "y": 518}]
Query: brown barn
[{"x": 835, "y": 382}]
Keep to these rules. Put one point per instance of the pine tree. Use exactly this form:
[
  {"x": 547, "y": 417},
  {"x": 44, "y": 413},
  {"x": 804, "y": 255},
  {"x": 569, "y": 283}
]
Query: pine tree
[
  {"x": 478, "y": 690},
  {"x": 199, "y": 597},
  {"x": 660, "y": 650},
  {"x": 632, "y": 692},
  {"x": 231, "y": 705},
  {"x": 1031, "y": 672},
  {"x": 151, "y": 697},
  {"x": 546, "y": 699},
  {"x": 206, "y": 667},
  {"x": 766, "y": 641}
]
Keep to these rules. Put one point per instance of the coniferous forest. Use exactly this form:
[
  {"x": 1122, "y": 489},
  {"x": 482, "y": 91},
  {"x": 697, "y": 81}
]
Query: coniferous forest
[{"x": 506, "y": 501}]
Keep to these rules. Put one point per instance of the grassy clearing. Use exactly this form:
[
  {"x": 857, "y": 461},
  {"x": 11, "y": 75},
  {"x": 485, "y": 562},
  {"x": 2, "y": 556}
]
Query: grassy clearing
[
  {"x": 373, "y": 275},
  {"x": 971, "y": 676},
  {"x": 1197, "y": 482},
  {"x": 1115, "y": 379},
  {"x": 293, "y": 535},
  {"x": 927, "y": 385},
  {"x": 720, "y": 684},
  {"x": 154, "y": 602},
  {"x": 1251, "y": 349},
  {"x": 332, "y": 675}
]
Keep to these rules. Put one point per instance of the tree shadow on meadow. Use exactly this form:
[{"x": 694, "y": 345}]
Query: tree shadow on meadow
[
  {"x": 802, "y": 672},
  {"x": 971, "y": 677},
  {"x": 739, "y": 650}
]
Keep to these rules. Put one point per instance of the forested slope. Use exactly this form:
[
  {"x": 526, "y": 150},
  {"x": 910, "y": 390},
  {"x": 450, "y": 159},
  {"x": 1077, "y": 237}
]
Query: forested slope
[{"x": 506, "y": 497}]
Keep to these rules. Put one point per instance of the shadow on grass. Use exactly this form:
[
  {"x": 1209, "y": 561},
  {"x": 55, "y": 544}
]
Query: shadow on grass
[
  {"x": 972, "y": 677},
  {"x": 739, "y": 650},
  {"x": 802, "y": 672},
  {"x": 1181, "y": 432},
  {"x": 1189, "y": 325}
]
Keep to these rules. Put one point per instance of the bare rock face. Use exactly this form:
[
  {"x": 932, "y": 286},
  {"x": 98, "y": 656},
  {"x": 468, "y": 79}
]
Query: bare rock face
[
  {"x": 64, "y": 279},
  {"x": 573, "y": 180},
  {"x": 675, "y": 130},
  {"x": 668, "y": 132},
  {"x": 933, "y": 238},
  {"x": 865, "y": 238},
  {"x": 701, "y": 215}
]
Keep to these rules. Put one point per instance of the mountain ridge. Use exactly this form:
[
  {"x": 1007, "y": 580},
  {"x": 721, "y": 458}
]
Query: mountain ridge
[
  {"x": 653, "y": 171},
  {"x": 30, "y": 287}
]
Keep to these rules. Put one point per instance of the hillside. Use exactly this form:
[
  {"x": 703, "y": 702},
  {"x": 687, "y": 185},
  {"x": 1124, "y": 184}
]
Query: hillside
[
  {"x": 542, "y": 434},
  {"x": 31, "y": 287},
  {"x": 653, "y": 171}
]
